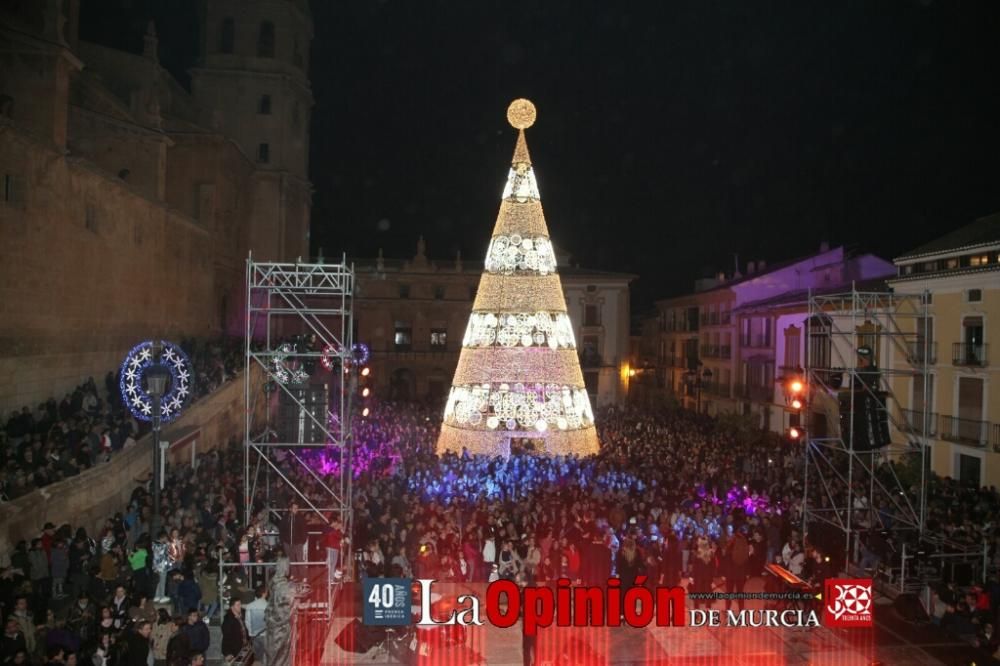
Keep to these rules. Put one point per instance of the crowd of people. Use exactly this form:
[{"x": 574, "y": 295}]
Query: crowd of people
[
  {"x": 672, "y": 498},
  {"x": 63, "y": 436}
]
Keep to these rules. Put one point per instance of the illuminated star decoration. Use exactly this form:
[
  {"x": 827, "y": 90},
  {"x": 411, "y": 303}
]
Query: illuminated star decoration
[
  {"x": 137, "y": 362},
  {"x": 281, "y": 372}
]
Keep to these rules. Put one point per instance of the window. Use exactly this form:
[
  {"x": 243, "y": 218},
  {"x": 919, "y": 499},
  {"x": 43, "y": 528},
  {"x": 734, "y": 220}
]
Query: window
[
  {"x": 12, "y": 192},
  {"x": 227, "y": 35},
  {"x": 439, "y": 293},
  {"x": 974, "y": 295},
  {"x": 591, "y": 315},
  {"x": 264, "y": 107},
  {"x": 907, "y": 269},
  {"x": 979, "y": 260},
  {"x": 590, "y": 355},
  {"x": 928, "y": 266},
  {"x": 692, "y": 319},
  {"x": 591, "y": 288},
  {"x": 439, "y": 338},
  {"x": 951, "y": 264},
  {"x": 404, "y": 291},
  {"x": 969, "y": 470},
  {"x": 819, "y": 342},
  {"x": 265, "y": 40},
  {"x": 918, "y": 395},
  {"x": 403, "y": 337},
  {"x": 263, "y": 153},
  {"x": 793, "y": 347}
]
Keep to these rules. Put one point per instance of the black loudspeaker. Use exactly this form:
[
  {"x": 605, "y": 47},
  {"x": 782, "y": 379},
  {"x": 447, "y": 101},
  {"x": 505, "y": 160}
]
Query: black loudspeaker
[
  {"x": 909, "y": 608},
  {"x": 869, "y": 418},
  {"x": 360, "y": 638},
  {"x": 301, "y": 420}
]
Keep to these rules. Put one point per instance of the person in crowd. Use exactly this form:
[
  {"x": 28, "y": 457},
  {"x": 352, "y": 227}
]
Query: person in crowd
[
  {"x": 255, "y": 624},
  {"x": 120, "y": 607},
  {"x": 163, "y": 630},
  {"x": 138, "y": 641},
  {"x": 179, "y": 646},
  {"x": 196, "y": 632},
  {"x": 25, "y": 622},
  {"x": 12, "y": 642},
  {"x": 234, "y": 632}
]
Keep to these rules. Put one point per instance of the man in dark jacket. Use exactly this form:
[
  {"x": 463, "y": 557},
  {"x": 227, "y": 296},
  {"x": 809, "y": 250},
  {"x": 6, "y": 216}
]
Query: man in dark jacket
[
  {"x": 196, "y": 633},
  {"x": 737, "y": 554},
  {"x": 137, "y": 652},
  {"x": 234, "y": 632},
  {"x": 11, "y": 642}
]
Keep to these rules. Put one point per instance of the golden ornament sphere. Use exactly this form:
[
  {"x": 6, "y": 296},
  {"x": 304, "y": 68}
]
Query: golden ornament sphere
[{"x": 521, "y": 113}]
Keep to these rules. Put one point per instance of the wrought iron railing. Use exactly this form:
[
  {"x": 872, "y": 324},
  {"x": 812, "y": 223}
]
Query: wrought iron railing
[{"x": 970, "y": 355}]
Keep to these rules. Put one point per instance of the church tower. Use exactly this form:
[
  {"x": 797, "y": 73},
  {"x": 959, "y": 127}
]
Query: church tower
[{"x": 252, "y": 84}]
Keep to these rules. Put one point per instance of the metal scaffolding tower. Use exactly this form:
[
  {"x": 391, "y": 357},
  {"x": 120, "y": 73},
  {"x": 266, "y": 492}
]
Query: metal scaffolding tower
[
  {"x": 299, "y": 340},
  {"x": 851, "y": 483}
]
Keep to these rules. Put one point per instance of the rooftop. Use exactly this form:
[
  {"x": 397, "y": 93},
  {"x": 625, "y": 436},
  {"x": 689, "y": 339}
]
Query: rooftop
[{"x": 984, "y": 231}]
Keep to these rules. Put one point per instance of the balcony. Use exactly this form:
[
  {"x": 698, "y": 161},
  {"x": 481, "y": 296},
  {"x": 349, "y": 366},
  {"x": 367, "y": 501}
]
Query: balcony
[
  {"x": 967, "y": 431},
  {"x": 911, "y": 421},
  {"x": 725, "y": 318},
  {"x": 589, "y": 359},
  {"x": 756, "y": 393},
  {"x": 919, "y": 352},
  {"x": 724, "y": 351},
  {"x": 713, "y": 318},
  {"x": 756, "y": 341},
  {"x": 967, "y": 354},
  {"x": 720, "y": 389},
  {"x": 710, "y": 351}
]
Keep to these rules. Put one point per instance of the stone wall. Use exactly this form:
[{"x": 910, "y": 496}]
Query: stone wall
[
  {"x": 88, "y": 268},
  {"x": 88, "y": 499}
]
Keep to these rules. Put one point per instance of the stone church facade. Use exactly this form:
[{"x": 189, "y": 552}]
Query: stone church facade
[{"x": 128, "y": 204}]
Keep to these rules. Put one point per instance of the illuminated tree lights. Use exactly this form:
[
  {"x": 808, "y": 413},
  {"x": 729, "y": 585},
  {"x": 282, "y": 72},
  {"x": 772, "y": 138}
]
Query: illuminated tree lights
[
  {"x": 138, "y": 361},
  {"x": 518, "y": 375}
]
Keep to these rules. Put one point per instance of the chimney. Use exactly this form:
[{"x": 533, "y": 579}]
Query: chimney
[
  {"x": 824, "y": 246},
  {"x": 751, "y": 267}
]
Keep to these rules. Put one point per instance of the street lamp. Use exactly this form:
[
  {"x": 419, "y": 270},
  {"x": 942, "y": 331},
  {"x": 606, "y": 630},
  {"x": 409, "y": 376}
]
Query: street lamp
[
  {"x": 696, "y": 380},
  {"x": 157, "y": 377}
]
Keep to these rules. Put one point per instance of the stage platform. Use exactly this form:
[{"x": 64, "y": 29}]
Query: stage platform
[{"x": 892, "y": 641}]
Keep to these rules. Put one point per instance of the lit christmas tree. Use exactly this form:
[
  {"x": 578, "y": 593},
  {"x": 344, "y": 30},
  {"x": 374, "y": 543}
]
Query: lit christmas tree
[{"x": 518, "y": 376}]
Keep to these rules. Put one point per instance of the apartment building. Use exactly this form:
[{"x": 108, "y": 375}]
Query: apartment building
[{"x": 959, "y": 274}]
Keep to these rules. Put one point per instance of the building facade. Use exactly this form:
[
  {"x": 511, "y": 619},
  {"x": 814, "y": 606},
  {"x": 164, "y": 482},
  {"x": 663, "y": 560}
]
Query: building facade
[
  {"x": 128, "y": 204},
  {"x": 726, "y": 346},
  {"x": 959, "y": 276},
  {"x": 413, "y": 315}
]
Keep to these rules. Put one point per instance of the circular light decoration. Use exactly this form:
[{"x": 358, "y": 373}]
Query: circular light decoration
[
  {"x": 138, "y": 361},
  {"x": 361, "y": 353},
  {"x": 283, "y": 373},
  {"x": 521, "y": 113},
  {"x": 329, "y": 353}
]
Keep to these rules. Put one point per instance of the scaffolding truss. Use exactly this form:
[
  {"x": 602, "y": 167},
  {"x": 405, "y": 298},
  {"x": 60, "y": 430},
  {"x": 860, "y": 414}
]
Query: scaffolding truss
[
  {"x": 847, "y": 486},
  {"x": 299, "y": 342}
]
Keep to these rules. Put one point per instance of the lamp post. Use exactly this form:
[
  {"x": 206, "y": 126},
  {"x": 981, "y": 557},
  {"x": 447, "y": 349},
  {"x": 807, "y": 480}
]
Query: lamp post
[
  {"x": 156, "y": 386},
  {"x": 694, "y": 379}
]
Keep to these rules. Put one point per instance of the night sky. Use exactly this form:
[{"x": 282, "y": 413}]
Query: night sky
[{"x": 670, "y": 135}]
